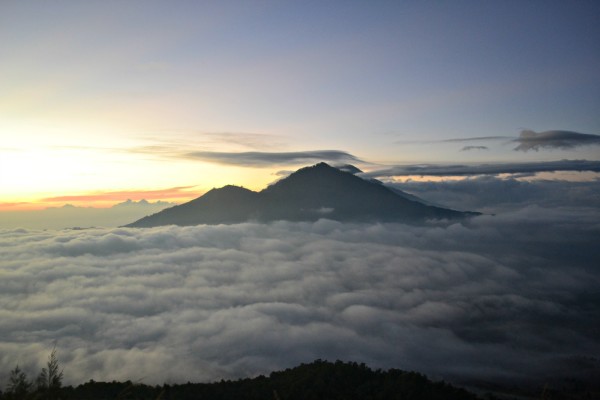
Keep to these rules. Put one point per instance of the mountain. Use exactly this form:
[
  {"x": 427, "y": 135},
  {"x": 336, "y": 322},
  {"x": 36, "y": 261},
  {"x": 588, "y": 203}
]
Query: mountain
[
  {"x": 320, "y": 191},
  {"x": 143, "y": 203}
]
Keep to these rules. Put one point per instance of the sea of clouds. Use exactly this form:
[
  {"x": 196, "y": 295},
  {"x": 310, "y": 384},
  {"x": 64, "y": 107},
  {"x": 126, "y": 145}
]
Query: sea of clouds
[{"x": 512, "y": 297}]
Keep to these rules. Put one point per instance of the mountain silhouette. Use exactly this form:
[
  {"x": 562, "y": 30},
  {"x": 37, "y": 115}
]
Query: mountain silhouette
[{"x": 311, "y": 193}]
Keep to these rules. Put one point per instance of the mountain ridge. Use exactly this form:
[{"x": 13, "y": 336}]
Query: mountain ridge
[{"x": 307, "y": 194}]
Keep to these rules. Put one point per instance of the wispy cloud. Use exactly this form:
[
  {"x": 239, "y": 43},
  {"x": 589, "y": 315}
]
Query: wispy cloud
[
  {"x": 174, "y": 192},
  {"x": 531, "y": 140},
  {"x": 485, "y": 169},
  {"x": 458, "y": 140},
  {"x": 182, "y": 138},
  {"x": 9, "y": 205},
  {"x": 255, "y": 141},
  {"x": 260, "y": 159}
]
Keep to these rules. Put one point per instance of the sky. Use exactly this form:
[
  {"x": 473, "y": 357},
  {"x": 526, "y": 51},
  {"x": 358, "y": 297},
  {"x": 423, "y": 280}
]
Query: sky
[{"x": 104, "y": 101}]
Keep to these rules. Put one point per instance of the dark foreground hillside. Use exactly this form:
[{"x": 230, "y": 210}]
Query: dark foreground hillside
[{"x": 317, "y": 380}]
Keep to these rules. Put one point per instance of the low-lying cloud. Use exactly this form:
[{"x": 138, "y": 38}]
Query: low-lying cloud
[
  {"x": 531, "y": 140},
  {"x": 512, "y": 297},
  {"x": 260, "y": 159},
  {"x": 69, "y": 216},
  {"x": 490, "y": 194}
]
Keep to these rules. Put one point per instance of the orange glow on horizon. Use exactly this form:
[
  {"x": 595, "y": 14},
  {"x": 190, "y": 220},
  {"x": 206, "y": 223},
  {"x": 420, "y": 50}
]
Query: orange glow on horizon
[{"x": 104, "y": 199}]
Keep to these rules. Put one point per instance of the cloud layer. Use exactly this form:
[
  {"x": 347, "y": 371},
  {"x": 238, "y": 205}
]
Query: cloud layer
[
  {"x": 512, "y": 297},
  {"x": 490, "y": 194}
]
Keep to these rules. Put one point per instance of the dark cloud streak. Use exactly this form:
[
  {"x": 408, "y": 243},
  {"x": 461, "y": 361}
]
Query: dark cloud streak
[
  {"x": 486, "y": 169},
  {"x": 468, "y": 148},
  {"x": 556, "y": 139},
  {"x": 475, "y": 139},
  {"x": 458, "y": 140},
  {"x": 262, "y": 159}
]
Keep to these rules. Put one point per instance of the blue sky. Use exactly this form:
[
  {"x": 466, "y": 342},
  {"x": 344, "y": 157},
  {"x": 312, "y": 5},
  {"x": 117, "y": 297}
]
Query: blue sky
[{"x": 126, "y": 83}]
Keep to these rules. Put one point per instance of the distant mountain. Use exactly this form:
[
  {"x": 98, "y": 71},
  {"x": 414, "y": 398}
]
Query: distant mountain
[
  {"x": 320, "y": 191},
  {"x": 143, "y": 203}
]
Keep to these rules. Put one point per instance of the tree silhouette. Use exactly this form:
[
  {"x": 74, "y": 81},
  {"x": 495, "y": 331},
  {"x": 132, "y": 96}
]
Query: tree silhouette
[
  {"x": 18, "y": 385},
  {"x": 49, "y": 380}
]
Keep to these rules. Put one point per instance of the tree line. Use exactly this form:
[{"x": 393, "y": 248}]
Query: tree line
[
  {"x": 317, "y": 380},
  {"x": 314, "y": 381}
]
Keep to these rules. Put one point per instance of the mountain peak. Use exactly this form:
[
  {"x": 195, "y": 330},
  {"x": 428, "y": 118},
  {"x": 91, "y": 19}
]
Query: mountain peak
[
  {"x": 317, "y": 168},
  {"x": 229, "y": 189},
  {"x": 349, "y": 168}
]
